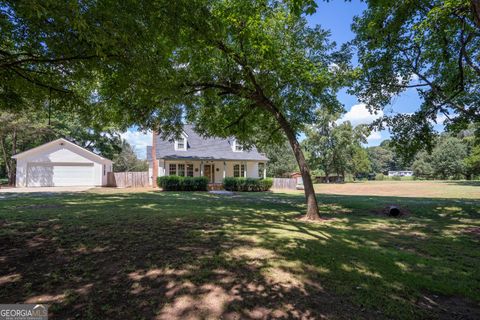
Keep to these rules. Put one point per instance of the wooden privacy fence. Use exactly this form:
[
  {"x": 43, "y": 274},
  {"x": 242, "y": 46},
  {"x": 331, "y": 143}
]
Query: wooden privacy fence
[
  {"x": 128, "y": 179},
  {"x": 284, "y": 183}
]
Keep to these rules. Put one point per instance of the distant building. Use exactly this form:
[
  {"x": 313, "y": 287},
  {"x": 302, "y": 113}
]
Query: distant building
[{"x": 404, "y": 173}]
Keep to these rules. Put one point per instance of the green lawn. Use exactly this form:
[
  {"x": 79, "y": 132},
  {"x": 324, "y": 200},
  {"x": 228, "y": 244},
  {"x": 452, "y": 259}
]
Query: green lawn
[{"x": 159, "y": 255}]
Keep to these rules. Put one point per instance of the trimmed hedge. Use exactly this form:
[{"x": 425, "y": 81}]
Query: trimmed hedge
[
  {"x": 247, "y": 184},
  {"x": 177, "y": 183}
]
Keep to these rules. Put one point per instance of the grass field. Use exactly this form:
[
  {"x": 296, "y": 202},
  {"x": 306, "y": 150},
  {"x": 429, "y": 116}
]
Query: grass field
[{"x": 158, "y": 255}]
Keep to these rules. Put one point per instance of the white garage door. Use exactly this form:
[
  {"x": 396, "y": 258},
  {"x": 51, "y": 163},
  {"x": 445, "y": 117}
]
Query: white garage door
[{"x": 59, "y": 174}]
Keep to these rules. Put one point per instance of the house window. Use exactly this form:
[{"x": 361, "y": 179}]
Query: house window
[
  {"x": 237, "y": 147},
  {"x": 181, "y": 144},
  {"x": 172, "y": 169},
  {"x": 238, "y": 170},
  {"x": 189, "y": 170},
  {"x": 181, "y": 170}
]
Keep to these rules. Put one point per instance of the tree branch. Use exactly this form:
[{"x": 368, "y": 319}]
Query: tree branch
[
  {"x": 464, "y": 52},
  {"x": 34, "y": 81},
  {"x": 241, "y": 117},
  {"x": 34, "y": 59}
]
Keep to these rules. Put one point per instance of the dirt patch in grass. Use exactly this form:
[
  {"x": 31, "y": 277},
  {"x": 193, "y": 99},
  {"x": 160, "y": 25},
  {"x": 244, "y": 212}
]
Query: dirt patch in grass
[
  {"x": 474, "y": 231},
  {"x": 392, "y": 211}
]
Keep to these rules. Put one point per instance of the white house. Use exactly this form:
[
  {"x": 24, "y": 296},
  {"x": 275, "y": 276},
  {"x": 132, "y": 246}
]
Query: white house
[
  {"x": 61, "y": 163},
  {"x": 404, "y": 173},
  {"x": 193, "y": 155}
]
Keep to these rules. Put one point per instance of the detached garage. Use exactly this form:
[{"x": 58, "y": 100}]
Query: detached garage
[{"x": 61, "y": 163}]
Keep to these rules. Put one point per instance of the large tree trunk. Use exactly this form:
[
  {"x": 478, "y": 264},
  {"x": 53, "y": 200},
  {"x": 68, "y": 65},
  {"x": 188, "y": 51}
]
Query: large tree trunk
[{"x": 312, "y": 205}]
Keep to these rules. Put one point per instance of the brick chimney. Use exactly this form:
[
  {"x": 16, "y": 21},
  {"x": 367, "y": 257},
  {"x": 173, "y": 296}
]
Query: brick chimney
[{"x": 154, "y": 161}]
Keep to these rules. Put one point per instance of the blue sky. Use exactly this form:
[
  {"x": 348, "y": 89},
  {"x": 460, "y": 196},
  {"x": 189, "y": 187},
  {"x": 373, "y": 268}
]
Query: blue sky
[{"x": 336, "y": 16}]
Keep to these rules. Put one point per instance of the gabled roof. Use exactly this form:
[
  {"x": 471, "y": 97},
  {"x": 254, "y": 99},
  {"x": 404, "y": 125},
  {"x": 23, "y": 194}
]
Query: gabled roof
[
  {"x": 202, "y": 148},
  {"x": 45, "y": 146}
]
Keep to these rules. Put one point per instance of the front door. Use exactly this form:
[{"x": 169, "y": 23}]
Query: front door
[{"x": 209, "y": 172}]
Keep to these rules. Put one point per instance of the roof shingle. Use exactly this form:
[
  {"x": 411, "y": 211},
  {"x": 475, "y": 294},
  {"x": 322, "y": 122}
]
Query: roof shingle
[{"x": 202, "y": 148}]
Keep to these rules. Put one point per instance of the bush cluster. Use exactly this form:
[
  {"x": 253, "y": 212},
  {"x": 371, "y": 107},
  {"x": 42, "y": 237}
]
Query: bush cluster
[
  {"x": 176, "y": 183},
  {"x": 381, "y": 176},
  {"x": 247, "y": 184}
]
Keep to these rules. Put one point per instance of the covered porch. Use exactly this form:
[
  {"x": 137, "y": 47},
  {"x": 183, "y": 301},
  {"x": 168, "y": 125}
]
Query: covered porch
[{"x": 214, "y": 170}]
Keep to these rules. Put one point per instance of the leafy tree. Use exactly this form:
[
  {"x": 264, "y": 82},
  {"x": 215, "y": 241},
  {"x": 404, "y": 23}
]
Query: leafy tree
[
  {"x": 347, "y": 144},
  {"x": 249, "y": 69},
  {"x": 336, "y": 148},
  {"x": 320, "y": 142},
  {"x": 381, "y": 159},
  {"x": 422, "y": 166},
  {"x": 51, "y": 49},
  {"x": 18, "y": 130},
  {"x": 281, "y": 160},
  {"x": 429, "y": 45},
  {"x": 448, "y": 158},
  {"x": 127, "y": 160},
  {"x": 360, "y": 165},
  {"x": 472, "y": 162}
]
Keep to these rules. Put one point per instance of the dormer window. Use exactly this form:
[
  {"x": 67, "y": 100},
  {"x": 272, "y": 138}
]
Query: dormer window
[
  {"x": 181, "y": 144},
  {"x": 237, "y": 147}
]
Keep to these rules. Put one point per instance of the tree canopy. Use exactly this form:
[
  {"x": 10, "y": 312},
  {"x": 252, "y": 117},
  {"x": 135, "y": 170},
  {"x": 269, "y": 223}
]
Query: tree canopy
[{"x": 430, "y": 45}]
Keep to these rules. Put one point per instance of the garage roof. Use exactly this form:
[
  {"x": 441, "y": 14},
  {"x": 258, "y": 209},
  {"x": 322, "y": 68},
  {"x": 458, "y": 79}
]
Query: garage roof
[{"x": 54, "y": 142}]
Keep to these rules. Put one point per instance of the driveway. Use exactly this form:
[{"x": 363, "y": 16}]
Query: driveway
[{"x": 9, "y": 192}]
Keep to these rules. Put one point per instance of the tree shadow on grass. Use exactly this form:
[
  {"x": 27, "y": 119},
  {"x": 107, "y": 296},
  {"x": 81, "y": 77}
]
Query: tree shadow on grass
[
  {"x": 197, "y": 256},
  {"x": 473, "y": 183}
]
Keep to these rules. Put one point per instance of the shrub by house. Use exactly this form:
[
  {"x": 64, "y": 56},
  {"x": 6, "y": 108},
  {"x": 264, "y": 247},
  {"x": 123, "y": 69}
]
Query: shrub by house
[
  {"x": 177, "y": 183},
  {"x": 247, "y": 184}
]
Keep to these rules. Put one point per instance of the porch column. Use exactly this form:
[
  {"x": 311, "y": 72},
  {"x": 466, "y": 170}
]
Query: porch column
[
  {"x": 245, "y": 171},
  {"x": 265, "y": 170},
  {"x": 201, "y": 168},
  {"x": 224, "y": 169}
]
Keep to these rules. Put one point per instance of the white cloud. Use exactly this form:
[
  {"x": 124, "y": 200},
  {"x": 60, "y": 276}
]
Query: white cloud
[
  {"x": 139, "y": 141},
  {"x": 441, "y": 118},
  {"x": 333, "y": 67},
  {"x": 374, "y": 136},
  {"x": 359, "y": 114},
  {"x": 414, "y": 77}
]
